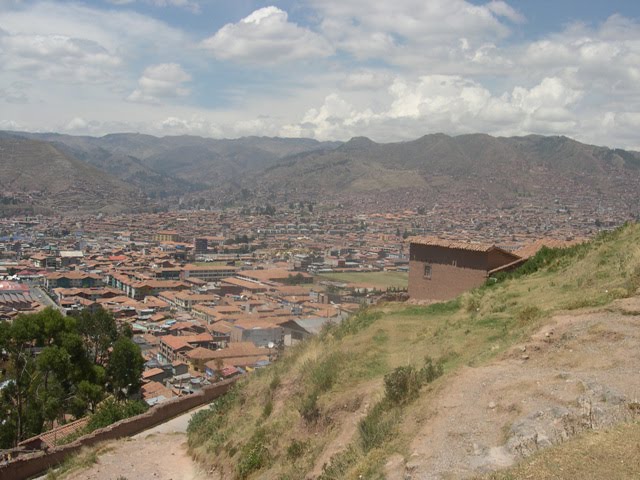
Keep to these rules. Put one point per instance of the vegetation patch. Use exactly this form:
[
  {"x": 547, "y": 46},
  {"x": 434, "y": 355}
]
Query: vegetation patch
[
  {"x": 440, "y": 308},
  {"x": 58, "y": 366},
  {"x": 254, "y": 455},
  {"x": 354, "y": 324},
  {"x": 340, "y": 464},
  {"x": 208, "y": 426}
]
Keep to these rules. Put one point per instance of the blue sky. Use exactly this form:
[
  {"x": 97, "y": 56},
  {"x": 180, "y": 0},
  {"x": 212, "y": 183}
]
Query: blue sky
[{"x": 328, "y": 69}]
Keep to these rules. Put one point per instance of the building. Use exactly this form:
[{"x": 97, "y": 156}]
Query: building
[
  {"x": 200, "y": 245},
  {"x": 443, "y": 269},
  {"x": 166, "y": 236},
  {"x": 15, "y": 296},
  {"x": 208, "y": 273},
  {"x": 72, "y": 279}
]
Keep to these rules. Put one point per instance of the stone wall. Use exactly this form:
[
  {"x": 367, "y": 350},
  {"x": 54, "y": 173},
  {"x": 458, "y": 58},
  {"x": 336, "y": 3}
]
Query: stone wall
[{"x": 30, "y": 465}]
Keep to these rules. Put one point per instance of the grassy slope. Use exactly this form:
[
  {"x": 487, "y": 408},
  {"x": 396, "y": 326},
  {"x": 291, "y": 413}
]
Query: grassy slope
[
  {"x": 262, "y": 433},
  {"x": 376, "y": 279}
]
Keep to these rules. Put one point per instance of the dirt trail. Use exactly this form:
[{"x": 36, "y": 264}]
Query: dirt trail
[
  {"x": 577, "y": 373},
  {"x": 156, "y": 454},
  {"x": 156, "y": 457}
]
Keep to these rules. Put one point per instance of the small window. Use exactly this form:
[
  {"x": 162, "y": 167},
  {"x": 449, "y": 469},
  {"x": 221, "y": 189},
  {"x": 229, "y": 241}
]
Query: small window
[{"x": 427, "y": 272}]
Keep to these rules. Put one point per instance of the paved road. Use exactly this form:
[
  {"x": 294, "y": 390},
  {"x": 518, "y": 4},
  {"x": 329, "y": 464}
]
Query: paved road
[{"x": 39, "y": 295}]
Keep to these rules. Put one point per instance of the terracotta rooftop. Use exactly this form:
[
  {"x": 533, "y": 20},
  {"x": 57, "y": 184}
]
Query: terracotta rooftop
[
  {"x": 52, "y": 437},
  {"x": 151, "y": 372},
  {"x": 530, "y": 250},
  {"x": 439, "y": 242}
]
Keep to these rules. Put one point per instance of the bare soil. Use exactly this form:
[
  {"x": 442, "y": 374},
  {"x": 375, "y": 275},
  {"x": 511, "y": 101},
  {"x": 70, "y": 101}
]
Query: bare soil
[
  {"x": 155, "y": 457},
  {"x": 578, "y": 373}
]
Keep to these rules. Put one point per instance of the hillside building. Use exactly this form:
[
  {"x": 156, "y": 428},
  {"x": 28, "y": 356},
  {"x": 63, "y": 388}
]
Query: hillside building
[{"x": 442, "y": 269}]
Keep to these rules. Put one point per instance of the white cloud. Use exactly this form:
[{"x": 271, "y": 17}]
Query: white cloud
[
  {"x": 412, "y": 32},
  {"x": 12, "y": 125},
  {"x": 76, "y": 124},
  {"x": 367, "y": 79},
  {"x": 390, "y": 70},
  {"x": 165, "y": 80},
  {"x": 448, "y": 103},
  {"x": 266, "y": 37},
  {"x": 196, "y": 125},
  {"x": 122, "y": 33},
  {"x": 15, "y": 93},
  {"x": 502, "y": 9},
  {"x": 191, "y": 5},
  {"x": 56, "y": 57}
]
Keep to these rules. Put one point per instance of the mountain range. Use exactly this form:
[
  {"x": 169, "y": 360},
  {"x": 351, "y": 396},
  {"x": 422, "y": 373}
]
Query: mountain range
[{"x": 129, "y": 171}]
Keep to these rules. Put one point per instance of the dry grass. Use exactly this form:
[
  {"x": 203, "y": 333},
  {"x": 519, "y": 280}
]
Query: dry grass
[
  {"x": 613, "y": 454},
  {"x": 80, "y": 461}
]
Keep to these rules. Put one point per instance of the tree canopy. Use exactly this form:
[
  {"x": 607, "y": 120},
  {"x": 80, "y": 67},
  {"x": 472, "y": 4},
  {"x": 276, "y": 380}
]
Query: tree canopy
[{"x": 54, "y": 365}]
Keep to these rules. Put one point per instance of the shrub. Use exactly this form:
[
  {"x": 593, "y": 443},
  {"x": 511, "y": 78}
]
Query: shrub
[
  {"x": 254, "y": 454},
  {"x": 473, "y": 303},
  {"x": 321, "y": 375},
  {"x": 339, "y": 465},
  {"x": 402, "y": 384},
  {"x": 431, "y": 370},
  {"x": 527, "y": 314},
  {"x": 267, "y": 409},
  {"x": 308, "y": 408},
  {"x": 296, "y": 449},
  {"x": 111, "y": 411},
  {"x": 275, "y": 383},
  {"x": 449, "y": 307},
  {"x": 377, "y": 426}
]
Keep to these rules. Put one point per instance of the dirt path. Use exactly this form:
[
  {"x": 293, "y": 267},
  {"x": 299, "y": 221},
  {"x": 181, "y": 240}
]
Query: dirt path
[
  {"x": 577, "y": 373},
  {"x": 156, "y": 454},
  {"x": 156, "y": 457}
]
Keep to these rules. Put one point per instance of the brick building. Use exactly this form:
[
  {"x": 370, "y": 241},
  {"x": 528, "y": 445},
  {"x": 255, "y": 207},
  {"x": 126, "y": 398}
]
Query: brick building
[{"x": 442, "y": 269}]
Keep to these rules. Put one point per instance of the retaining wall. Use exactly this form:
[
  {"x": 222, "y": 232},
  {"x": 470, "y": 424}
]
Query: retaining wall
[{"x": 29, "y": 465}]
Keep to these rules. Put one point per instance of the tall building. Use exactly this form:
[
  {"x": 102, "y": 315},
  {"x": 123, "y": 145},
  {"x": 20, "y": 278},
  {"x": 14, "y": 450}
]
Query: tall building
[{"x": 201, "y": 245}]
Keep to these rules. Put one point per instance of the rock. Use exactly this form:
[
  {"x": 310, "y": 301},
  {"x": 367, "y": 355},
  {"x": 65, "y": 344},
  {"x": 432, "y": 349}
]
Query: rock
[
  {"x": 525, "y": 357},
  {"x": 492, "y": 405}
]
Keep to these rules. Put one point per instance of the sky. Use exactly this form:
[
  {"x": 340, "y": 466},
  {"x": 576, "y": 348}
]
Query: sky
[{"x": 324, "y": 69}]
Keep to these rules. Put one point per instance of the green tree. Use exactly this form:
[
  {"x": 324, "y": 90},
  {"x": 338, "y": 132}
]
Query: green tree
[
  {"x": 45, "y": 360},
  {"x": 125, "y": 368},
  {"x": 87, "y": 397},
  {"x": 99, "y": 330}
]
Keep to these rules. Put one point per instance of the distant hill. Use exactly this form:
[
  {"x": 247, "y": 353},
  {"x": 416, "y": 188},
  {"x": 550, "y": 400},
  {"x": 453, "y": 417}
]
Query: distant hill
[
  {"x": 478, "y": 168},
  {"x": 502, "y": 168},
  {"x": 179, "y": 164},
  {"x": 39, "y": 174}
]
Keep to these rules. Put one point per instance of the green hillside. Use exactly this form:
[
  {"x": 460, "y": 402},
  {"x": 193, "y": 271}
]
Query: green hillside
[{"x": 349, "y": 403}]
